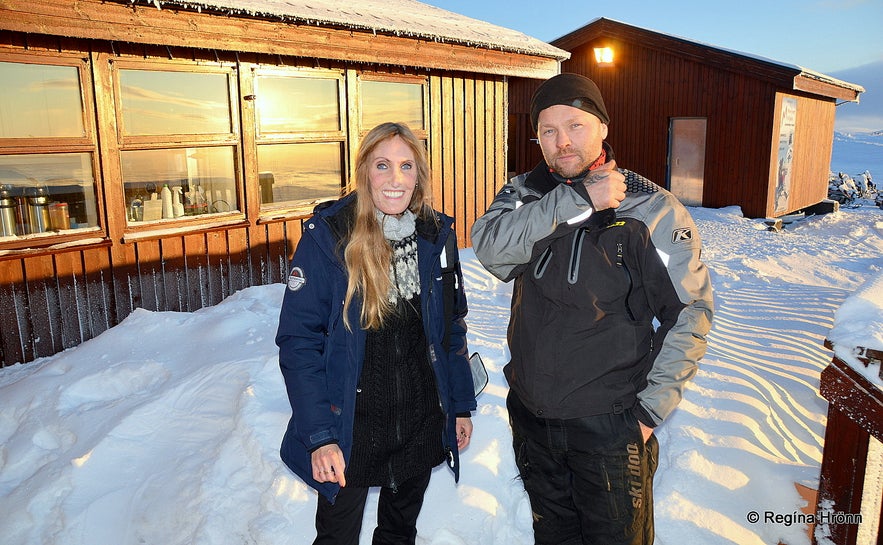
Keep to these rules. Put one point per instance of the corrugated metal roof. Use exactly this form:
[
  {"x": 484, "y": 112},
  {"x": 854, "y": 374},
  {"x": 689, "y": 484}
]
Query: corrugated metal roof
[{"x": 398, "y": 17}]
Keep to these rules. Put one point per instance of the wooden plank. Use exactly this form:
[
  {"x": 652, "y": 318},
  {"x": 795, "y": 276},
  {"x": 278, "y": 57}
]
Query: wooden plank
[
  {"x": 854, "y": 396},
  {"x": 42, "y": 307},
  {"x": 217, "y": 267},
  {"x": 150, "y": 275},
  {"x": 71, "y": 297},
  {"x": 97, "y": 20},
  {"x": 501, "y": 106},
  {"x": 447, "y": 167},
  {"x": 471, "y": 156},
  {"x": 239, "y": 274},
  {"x": 174, "y": 276},
  {"x": 824, "y": 88},
  {"x": 460, "y": 158},
  {"x": 277, "y": 253},
  {"x": 436, "y": 146},
  {"x": 14, "y": 325},
  {"x": 480, "y": 171},
  {"x": 126, "y": 281},
  {"x": 196, "y": 274},
  {"x": 102, "y": 312},
  {"x": 842, "y": 474}
]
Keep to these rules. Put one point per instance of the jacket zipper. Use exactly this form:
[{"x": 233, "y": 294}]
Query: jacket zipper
[{"x": 621, "y": 263}]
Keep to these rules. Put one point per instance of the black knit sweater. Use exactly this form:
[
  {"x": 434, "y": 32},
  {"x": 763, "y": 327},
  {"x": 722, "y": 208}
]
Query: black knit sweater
[{"x": 398, "y": 425}]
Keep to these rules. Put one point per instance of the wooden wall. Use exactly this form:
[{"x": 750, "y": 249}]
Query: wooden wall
[
  {"x": 813, "y": 146},
  {"x": 55, "y": 298},
  {"x": 649, "y": 84}
]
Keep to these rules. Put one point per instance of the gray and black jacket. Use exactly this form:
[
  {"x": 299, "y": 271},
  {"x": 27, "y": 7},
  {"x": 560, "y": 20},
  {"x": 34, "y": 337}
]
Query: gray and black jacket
[{"x": 609, "y": 309}]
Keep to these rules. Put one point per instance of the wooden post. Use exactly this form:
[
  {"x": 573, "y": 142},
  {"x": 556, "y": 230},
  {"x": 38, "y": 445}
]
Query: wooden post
[{"x": 855, "y": 414}]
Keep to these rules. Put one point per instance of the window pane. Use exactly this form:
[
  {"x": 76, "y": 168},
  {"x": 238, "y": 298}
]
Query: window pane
[
  {"x": 200, "y": 181},
  {"x": 156, "y": 102},
  {"x": 300, "y": 172},
  {"x": 384, "y": 101},
  {"x": 47, "y": 192},
  {"x": 297, "y": 104},
  {"x": 38, "y": 100}
]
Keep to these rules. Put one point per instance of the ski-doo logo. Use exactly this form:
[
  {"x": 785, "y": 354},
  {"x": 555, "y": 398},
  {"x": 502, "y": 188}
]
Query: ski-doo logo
[{"x": 682, "y": 235}]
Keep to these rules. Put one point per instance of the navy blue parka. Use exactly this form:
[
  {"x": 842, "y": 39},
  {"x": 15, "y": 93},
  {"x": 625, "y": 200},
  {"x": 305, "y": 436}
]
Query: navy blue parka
[{"x": 321, "y": 360}]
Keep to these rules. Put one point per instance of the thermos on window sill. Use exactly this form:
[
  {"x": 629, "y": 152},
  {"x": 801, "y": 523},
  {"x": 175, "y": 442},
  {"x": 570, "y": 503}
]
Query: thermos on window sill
[
  {"x": 25, "y": 211},
  {"x": 38, "y": 210},
  {"x": 8, "y": 205}
]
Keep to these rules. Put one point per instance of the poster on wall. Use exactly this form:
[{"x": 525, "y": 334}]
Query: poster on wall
[{"x": 786, "y": 154}]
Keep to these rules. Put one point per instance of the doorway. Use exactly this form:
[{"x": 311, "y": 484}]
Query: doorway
[{"x": 686, "y": 158}]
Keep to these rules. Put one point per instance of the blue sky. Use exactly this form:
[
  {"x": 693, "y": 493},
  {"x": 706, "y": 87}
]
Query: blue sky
[{"x": 822, "y": 35}]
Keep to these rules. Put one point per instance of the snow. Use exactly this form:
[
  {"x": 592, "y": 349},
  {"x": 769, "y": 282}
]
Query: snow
[
  {"x": 858, "y": 324},
  {"x": 165, "y": 429},
  {"x": 396, "y": 17}
]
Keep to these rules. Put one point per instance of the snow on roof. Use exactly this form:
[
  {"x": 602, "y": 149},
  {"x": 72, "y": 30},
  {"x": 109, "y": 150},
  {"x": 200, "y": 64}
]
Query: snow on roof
[{"x": 398, "y": 17}]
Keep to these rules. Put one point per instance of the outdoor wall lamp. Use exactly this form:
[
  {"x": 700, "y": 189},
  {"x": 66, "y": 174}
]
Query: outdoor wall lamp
[{"x": 604, "y": 56}]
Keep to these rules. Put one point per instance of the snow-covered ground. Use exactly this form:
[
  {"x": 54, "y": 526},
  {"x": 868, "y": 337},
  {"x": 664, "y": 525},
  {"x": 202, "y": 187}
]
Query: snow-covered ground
[{"x": 165, "y": 429}]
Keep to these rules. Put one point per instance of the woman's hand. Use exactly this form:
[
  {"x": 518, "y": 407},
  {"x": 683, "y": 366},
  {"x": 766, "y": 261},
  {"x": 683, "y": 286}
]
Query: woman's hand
[
  {"x": 464, "y": 432},
  {"x": 328, "y": 464}
]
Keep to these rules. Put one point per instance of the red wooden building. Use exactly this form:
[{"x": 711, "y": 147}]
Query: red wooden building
[
  {"x": 163, "y": 154},
  {"x": 716, "y": 127}
]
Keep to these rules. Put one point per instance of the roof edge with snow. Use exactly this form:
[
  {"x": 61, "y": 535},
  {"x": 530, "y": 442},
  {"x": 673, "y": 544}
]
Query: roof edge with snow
[{"x": 403, "y": 18}]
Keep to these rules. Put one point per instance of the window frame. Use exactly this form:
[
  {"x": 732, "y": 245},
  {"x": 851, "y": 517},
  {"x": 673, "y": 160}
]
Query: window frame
[
  {"x": 421, "y": 133},
  {"x": 174, "y": 141},
  {"x": 301, "y": 208},
  {"x": 58, "y": 145}
]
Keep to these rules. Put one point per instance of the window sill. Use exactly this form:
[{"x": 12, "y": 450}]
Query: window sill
[
  {"x": 159, "y": 230},
  {"x": 295, "y": 212},
  {"x": 54, "y": 243}
]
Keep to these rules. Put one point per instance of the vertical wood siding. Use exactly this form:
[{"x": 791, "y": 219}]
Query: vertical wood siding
[
  {"x": 648, "y": 86},
  {"x": 56, "y": 300}
]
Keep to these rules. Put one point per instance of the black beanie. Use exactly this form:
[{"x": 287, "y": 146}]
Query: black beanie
[{"x": 569, "y": 90}]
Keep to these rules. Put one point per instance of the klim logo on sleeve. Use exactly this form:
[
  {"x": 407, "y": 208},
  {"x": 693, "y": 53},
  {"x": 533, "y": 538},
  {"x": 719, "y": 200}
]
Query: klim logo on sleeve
[
  {"x": 296, "y": 279},
  {"x": 682, "y": 235}
]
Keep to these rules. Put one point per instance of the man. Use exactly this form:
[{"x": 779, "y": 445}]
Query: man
[{"x": 610, "y": 309}]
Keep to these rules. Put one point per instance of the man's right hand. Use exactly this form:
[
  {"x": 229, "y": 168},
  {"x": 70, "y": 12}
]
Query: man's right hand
[{"x": 606, "y": 186}]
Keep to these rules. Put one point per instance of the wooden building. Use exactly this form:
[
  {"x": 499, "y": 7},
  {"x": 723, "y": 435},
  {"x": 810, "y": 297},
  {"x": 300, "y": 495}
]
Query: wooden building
[
  {"x": 163, "y": 154},
  {"x": 716, "y": 127}
]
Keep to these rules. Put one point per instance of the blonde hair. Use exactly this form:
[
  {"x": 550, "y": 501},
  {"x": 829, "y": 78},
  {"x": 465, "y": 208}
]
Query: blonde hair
[{"x": 367, "y": 254}]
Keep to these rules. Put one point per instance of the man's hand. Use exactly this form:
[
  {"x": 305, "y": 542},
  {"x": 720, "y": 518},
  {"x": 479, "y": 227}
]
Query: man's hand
[
  {"x": 646, "y": 431},
  {"x": 606, "y": 186}
]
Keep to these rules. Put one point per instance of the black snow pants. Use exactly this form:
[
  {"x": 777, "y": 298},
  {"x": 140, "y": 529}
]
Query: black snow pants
[{"x": 589, "y": 480}]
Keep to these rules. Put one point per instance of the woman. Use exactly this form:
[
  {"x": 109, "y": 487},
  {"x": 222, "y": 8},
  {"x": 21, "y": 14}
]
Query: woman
[{"x": 376, "y": 398}]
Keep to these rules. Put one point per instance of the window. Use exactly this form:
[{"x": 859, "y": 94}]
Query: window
[
  {"x": 179, "y": 140},
  {"x": 40, "y": 100},
  {"x": 300, "y": 137},
  {"x": 171, "y": 183},
  {"x": 156, "y": 102},
  {"x": 397, "y": 101},
  {"x": 47, "y": 148}
]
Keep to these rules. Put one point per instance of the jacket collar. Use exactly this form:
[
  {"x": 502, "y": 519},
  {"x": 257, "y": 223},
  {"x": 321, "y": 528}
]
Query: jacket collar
[{"x": 542, "y": 180}]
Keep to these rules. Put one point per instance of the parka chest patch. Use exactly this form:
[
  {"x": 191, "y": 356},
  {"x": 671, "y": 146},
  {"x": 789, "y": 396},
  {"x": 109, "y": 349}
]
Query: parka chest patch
[{"x": 296, "y": 279}]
